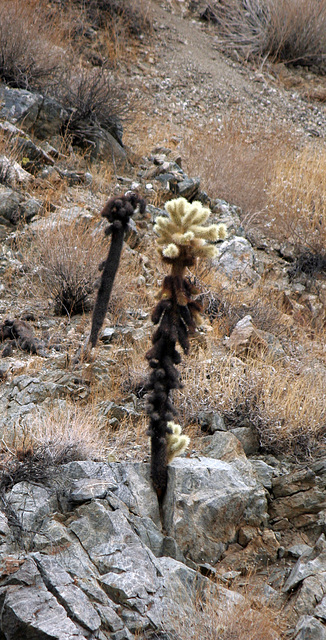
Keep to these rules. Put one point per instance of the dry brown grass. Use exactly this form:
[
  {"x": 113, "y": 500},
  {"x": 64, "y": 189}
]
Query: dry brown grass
[
  {"x": 210, "y": 617},
  {"x": 31, "y": 451},
  {"x": 62, "y": 261},
  {"x": 234, "y": 162},
  {"x": 297, "y": 199},
  {"x": 292, "y": 31},
  {"x": 113, "y": 29},
  {"x": 32, "y": 47},
  {"x": 134, "y": 14},
  {"x": 284, "y": 405},
  {"x": 225, "y": 303},
  {"x": 72, "y": 432}
]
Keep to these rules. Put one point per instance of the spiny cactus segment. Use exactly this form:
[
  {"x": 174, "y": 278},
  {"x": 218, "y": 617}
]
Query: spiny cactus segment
[
  {"x": 177, "y": 442},
  {"x": 182, "y": 239}
]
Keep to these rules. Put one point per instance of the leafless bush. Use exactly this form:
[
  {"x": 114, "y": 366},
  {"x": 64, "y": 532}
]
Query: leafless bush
[
  {"x": 133, "y": 13},
  {"x": 30, "y": 47},
  {"x": 64, "y": 259},
  {"x": 94, "y": 101},
  {"x": 292, "y": 31}
]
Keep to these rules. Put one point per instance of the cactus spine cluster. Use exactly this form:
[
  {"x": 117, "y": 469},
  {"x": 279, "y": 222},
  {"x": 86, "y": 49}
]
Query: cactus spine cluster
[{"x": 182, "y": 239}]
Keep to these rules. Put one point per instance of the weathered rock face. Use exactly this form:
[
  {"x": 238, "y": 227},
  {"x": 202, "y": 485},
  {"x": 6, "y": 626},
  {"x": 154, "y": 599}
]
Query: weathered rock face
[
  {"x": 246, "y": 338},
  {"x": 299, "y": 500},
  {"x": 236, "y": 259},
  {"x": 87, "y": 555},
  {"x": 32, "y": 110},
  {"x": 206, "y": 503},
  {"x": 24, "y": 394}
]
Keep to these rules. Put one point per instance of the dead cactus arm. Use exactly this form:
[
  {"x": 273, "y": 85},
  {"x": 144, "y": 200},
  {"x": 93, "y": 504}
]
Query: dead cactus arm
[
  {"x": 118, "y": 212},
  {"x": 107, "y": 279}
]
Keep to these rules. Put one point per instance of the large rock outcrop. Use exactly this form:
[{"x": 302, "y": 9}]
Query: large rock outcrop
[{"x": 85, "y": 555}]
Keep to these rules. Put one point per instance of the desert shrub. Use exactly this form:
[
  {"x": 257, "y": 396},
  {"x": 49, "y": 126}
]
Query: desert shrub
[
  {"x": 94, "y": 100},
  {"x": 287, "y": 409},
  {"x": 32, "y": 451},
  {"x": 234, "y": 161},
  {"x": 292, "y": 31},
  {"x": 297, "y": 206},
  {"x": 64, "y": 259},
  {"x": 133, "y": 14},
  {"x": 30, "y": 47}
]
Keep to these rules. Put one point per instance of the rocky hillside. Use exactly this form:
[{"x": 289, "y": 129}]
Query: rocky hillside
[{"x": 238, "y": 548}]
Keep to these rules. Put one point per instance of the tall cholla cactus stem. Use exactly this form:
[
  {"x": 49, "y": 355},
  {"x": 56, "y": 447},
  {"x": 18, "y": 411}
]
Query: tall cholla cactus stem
[
  {"x": 182, "y": 239},
  {"x": 118, "y": 212}
]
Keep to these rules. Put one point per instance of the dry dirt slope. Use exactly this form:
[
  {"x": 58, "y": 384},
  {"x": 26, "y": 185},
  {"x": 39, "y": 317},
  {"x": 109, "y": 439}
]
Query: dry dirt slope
[{"x": 189, "y": 81}]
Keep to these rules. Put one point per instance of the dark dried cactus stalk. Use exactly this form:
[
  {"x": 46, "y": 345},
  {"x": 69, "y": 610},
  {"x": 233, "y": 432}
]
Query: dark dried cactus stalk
[
  {"x": 175, "y": 323},
  {"x": 117, "y": 211}
]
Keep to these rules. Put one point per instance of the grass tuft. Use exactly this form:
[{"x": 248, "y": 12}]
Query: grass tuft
[
  {"x": 213, "y": 615},
  {"x": 290, "y": 31},
  {"x": 297, "y": 205},
  {"x": 33, "y": 451},
  {"x": 63, "y": 260}
]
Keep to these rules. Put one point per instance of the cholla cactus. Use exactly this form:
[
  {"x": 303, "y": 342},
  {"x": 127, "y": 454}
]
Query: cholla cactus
[
  {"x": 182, "y": 239},
  {"x": 177, "y": 442}
]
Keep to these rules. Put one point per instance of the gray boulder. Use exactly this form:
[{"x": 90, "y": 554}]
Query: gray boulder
[
  {"x": 309, "y": 564},
  {"x": 308, "y": 628},
  {"x": 20, "y": 106},
  {"x": 32, "y": 110},
  {"x": 207, "y": 501},
  {"x": 236, "y": 259},
  {"x": 92, "y": 564},
  {"x": 224, "y": 445},
  {"x": 10, "y": 202}
]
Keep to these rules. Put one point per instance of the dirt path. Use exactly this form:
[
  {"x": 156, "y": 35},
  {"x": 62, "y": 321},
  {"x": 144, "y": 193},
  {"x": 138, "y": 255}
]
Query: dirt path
[{"x": 187, "y": 80}]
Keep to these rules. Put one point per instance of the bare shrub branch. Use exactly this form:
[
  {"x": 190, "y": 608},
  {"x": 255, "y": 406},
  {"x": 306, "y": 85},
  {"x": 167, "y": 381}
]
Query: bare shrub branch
[
  {"x": 94, "y": 99},
  {"x": 292, "y": 31},
  {"x": 64, "y": 259},
  {"x": 30, "y": 48}
]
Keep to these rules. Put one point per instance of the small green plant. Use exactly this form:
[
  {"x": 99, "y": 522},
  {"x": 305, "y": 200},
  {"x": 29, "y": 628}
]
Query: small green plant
[{"x": 182, "y": 239}]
